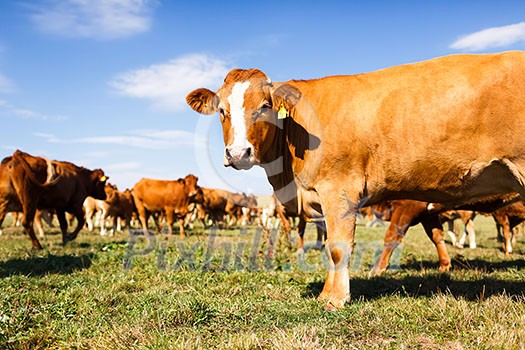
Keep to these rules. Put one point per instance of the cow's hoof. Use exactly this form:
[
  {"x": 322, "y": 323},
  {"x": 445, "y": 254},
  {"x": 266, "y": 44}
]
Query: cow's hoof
[
  {"x": 376, "y": 272},
  {"x": 444, "y": 268},
  {"x": 334, "y": 303},
  {"x": 473, "y": 246}
]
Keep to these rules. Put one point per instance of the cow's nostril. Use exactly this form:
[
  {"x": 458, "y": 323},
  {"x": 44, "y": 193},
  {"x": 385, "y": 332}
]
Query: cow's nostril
[
  {"x": 248, "y": 153},
  {"x": 227, "y": 153}
]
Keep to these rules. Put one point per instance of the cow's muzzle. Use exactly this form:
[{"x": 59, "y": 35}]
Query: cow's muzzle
[{"x": 241, "y": 158}]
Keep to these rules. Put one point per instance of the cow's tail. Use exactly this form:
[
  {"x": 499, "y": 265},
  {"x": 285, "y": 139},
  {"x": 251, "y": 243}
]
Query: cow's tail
[{"x": 51, "y": 179}]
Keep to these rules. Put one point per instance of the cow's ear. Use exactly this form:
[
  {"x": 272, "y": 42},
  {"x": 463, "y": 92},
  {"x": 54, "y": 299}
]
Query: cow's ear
[
  {"x": 285, "y": 96},
  {"x": 203, "y": 101},
  {"x": 181, "y": 181}
]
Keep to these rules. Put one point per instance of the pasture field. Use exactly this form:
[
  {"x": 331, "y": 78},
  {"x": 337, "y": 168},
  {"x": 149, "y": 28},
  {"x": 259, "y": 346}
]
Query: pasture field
[{"x": 221, "y": 289}]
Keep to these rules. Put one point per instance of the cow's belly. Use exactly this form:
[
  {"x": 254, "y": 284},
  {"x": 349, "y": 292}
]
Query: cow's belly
[{"x": 499, "y": 176}]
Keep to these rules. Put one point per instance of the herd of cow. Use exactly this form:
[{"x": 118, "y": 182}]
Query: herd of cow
[
  {"x": 83, "y": 193},
  {"x": 34, "y": 186},
  {"x": 412, "y": 142}
]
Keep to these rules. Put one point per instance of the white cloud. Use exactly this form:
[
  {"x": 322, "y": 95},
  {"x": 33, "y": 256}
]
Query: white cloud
[
  {"x": 491, "y": 38},
  {"x": 98, "y": 19},
  {"x": 148, "y": 139},
  {"x": 24, "y": 113},
  {"x": 167, "y": 84}
]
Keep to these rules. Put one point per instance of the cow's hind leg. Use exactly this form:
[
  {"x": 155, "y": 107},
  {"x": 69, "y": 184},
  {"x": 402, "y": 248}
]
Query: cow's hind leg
[
  {"x": 79, "y": 215},
  {"x": 434, "y": 231},
  {"x": 399, "y": 223},
  {"x": 38, "y": 223},
  {"x": 504, "y": 222},
  {"x": 62, "y": 221},
  {"x": 3, "y": 212},
  {"x": 321, "y": 234},
  {"x": 27, "y": 223},
  {"x": 301, "y": 228}
]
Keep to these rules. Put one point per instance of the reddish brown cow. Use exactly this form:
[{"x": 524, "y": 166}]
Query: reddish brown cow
[
  {"x": 26, "y": 184},
  {"x": 405, "y": 213},
  {"x": 165, "y": 196},
  {"x": 351, "y": 141}
]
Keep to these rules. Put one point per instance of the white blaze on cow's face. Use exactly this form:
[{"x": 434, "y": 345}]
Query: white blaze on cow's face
[{"x": 240, "y": 152}]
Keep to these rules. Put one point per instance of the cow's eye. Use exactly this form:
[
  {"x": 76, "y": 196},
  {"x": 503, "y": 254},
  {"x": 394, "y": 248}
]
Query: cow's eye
[
  {"x": 261, "y": 111},
  {"x": 223, "y": 115}
]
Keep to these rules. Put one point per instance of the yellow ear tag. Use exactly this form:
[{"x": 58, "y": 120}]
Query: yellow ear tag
[
  {"x": 283, "y": 113},
  {"x": 103, "y": 178}
]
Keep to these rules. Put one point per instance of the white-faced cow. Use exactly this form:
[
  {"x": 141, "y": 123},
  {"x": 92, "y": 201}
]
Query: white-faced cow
[{"x": 447, "y": 130}]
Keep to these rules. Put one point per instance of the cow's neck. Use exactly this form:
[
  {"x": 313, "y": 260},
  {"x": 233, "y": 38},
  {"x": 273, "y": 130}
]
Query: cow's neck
[{"x": 284, "y": 161}]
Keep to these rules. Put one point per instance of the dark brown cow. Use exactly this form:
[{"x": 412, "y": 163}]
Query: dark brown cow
[
  {"x": 26, "y": 184},
  {"x": 350, "y": 141},
  {"x": 165, "y": 196}
]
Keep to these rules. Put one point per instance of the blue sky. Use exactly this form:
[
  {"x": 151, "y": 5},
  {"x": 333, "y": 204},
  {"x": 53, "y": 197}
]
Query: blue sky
[{"x": 102, "y": 83}]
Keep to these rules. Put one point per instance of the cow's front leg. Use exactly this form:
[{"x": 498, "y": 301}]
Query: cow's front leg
[
  {"x": 340, "y": 211},
  {"x": 181, "y": 227}
]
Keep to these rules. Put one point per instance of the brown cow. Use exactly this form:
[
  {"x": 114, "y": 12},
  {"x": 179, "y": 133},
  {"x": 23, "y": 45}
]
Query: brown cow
[
  {"x": 351, "y": 141},
  {"x": 26, "y": 184},
  {"x": 165, "y": 196},
  {"x": 219, "y": 205}
]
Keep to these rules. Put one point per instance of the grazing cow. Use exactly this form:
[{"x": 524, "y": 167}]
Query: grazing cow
[
  {"x": 164, "y": 196},
  {"x": 352, "y": 141},
  {"x": 29, "y": 183}
]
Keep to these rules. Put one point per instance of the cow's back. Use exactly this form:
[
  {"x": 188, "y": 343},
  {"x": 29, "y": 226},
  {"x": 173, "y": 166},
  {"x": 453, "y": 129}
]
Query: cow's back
[{"x": 419, "y": 130}]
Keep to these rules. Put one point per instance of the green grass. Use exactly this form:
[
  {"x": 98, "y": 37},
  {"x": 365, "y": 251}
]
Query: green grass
[{"x": 98, "y": 293}]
